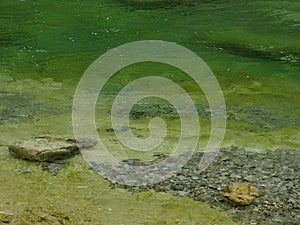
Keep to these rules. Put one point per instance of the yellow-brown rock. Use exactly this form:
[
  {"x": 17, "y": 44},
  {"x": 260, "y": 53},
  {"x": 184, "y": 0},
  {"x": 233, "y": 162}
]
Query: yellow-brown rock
[{"x": 239, "y": 194}]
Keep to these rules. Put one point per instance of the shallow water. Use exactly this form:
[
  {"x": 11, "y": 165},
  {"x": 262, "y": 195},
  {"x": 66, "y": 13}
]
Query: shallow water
[{"x": 252, "y": 48}]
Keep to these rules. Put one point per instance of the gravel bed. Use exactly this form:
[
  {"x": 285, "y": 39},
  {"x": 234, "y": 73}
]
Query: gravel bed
[
  {"x": 16, "y": 107},
  {"x": 275, "y": 174}
]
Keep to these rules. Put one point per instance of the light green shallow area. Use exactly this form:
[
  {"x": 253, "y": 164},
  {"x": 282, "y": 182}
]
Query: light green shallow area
[
  {"x": 45, "y": 46},
  {"x": 80, "y": 196}
]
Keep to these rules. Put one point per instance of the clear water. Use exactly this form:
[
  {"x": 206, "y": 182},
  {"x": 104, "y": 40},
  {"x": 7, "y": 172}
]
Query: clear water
[{"x": 253, "y": 48}]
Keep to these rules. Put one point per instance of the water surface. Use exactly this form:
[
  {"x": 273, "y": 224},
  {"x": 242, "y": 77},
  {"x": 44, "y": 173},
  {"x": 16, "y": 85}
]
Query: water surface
[{"x": 253, "y": 48}]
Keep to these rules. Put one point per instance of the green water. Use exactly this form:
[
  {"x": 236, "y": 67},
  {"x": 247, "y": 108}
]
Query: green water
[
  {"x": 61, "y": 38},
  {"x": 253, "y": 48}
]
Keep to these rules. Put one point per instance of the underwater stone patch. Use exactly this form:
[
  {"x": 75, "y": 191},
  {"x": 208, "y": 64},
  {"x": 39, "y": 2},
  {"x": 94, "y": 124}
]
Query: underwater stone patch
[
  {"x": 275, "y": 174},
  {"x": 15, "y": 107},
  {"x": 263, "y": 119},
  {"x": 148, "y": 111}
]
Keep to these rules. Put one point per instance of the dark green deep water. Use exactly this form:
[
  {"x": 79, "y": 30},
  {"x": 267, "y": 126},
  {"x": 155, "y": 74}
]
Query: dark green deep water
[
  {"x": 253, "y": 48},
  {"x": 60, "y": 39}
]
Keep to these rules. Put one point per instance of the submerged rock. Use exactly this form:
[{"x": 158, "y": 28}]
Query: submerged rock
[
  {"x": 54, "y": 167},
  {"x": 41, "y": 149},
  {"x": 240, "y": 194},
  {"x": 117, "y": 129}
]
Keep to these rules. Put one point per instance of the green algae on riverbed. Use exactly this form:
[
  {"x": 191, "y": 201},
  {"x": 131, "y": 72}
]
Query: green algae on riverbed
[
  {"x": 257, "y": 131},
  {"x": 80, "y": 196},
  {"x": 77, "y": 195},
  {"x": 252, "y": 47}
]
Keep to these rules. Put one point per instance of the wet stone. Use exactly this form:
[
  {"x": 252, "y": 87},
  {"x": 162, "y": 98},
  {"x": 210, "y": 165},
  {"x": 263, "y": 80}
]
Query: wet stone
[
  {"x": 250, "y": 178},
  {"x": 117, "y": 129},
  {"x": 44, "y": 149},
  {"x": 24, "y": 171},
  {"x": 240, "y": 194},
  {"x": 54, "y": 167}
]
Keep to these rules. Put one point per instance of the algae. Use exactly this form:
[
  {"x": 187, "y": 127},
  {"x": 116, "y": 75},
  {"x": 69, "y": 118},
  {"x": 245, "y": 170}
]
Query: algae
[
  {"x": 77, "y": 195},
  {"x": 252, "y": 47},
  {"x": 83, "y": 188}
]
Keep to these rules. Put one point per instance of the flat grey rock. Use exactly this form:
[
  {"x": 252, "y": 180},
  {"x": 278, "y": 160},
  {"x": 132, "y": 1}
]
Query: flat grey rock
[{"x": 41, "y": 149}]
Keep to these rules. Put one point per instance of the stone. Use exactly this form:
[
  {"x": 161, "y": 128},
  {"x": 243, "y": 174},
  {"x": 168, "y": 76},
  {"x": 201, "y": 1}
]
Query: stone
[
  {"x": 24, "y": 171},
  {"x": 6, "y": 217},
  {"x": 46, "y": 149},
  {"x": 277, "y": 219},
  {"x": 117, "y": 129},
  {"x": 84, "y": 143},
  {"x": 53, "y": 167},
  {"x": 239, "y": 194},
  {"x": 250, "y": 178}
]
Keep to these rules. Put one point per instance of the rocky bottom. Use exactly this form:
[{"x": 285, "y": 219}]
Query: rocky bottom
[{"x": 275, "y": 174}]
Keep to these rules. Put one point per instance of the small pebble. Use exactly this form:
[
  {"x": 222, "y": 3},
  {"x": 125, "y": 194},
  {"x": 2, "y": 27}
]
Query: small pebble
[{"x": 25, "y": 171}]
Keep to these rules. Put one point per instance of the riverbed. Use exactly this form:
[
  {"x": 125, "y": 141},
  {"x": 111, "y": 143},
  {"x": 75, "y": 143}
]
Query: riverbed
[{"x": 252, "y": 49}]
